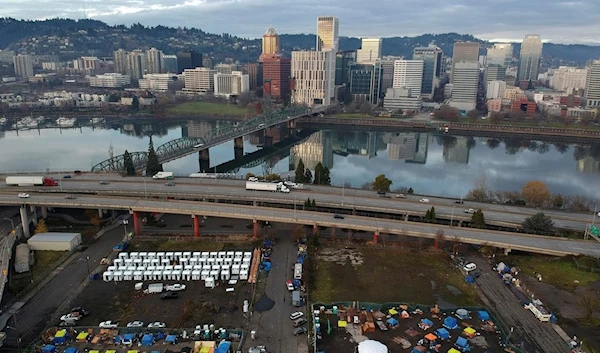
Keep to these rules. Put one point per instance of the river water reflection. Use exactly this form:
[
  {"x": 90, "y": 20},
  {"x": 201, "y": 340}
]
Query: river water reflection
[{"x": 430, "y": 164}]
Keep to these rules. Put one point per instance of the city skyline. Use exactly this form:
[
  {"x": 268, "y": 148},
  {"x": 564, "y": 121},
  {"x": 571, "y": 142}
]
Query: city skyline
[{"x": 298, "y": 17}]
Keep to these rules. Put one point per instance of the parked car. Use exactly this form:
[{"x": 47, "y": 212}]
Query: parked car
[
  {"x": 70, "y": 317},
  {"x": 470, "y": 267},
  {"x": 380, "y": 192},
  {"x": 79, "y": 310},
  {"x": 23, "y": 195},
  {"x": 300, "y": 331},
  {"x": 108, "y": 324},
  {"x": 338, "y": 216},
  {"x": 135, "y": 324},
  {"x": 170, "y": 183},
  {"x": 296, "y": 315},
  {"x": 175, "y": 287},
  {"x": 400, "y": 196},
  {"x": 70, "y": 197},
  {"x": 104, "y": 182},
  {"x": 157, "y": 324},
  {"x": 169, "y": 295},
  {"x": 469, "y": 210},
  {"x": 290, "y": 285},
  {"x": 299, "y": 322},
  {"x": 424, "y": 200}
]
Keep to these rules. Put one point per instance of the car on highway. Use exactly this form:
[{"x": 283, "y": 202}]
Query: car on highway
[
  {"x": 135, "y": 324},
  {"x": 400, "y": 196},
  {"x": 175, "y": 287},
  {"x": 169, "y": 295},
  {"x": 23, "y": 195},
  {"x": 380, "y": 192},
  {"x": 424, "y": 200},
  {"x": 104, "y": 182},
  {"x": 170, "y": 183},
  {"x": 299, "y": 331},
  {"x": 296, "y": 315},
  {"x": 385, "y": 196},
  {"x": 338, "y": 216},
  {"x": 253, "y": 179},
  {"x": 459, "y": 202},
  {"x": 157, "y": 324},
  {"x": 469, "y": 210},
  {"x": 67, "y": 176},
  {"x": 260, "y": 126},
  {"x": 70, "y": 197},
  {"x": 470, "y": 267},
  {"x": 108, "y": 324}
]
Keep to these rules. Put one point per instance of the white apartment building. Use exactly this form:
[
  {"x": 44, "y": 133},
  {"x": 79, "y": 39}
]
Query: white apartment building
[
  {"x": 199, "y": 80},
  {"x": 401, "y": 99},
  {"x": 86, "y": 64},
  {"x": 408, "y": 74},
  {"x": 23, "y": 66},
  {"x": 162, "y": 82},
  {"x": 495, "y": 89},
  {"x": 464, "y": 85},
  {"x": 592, "y": 85},
  {"x": 568, "y": 79},
  {"x": 232, "y": 84},
  {"x": 110, "y": 80},
  {"x": 314, "y": 75},
  {"x": 154, "y": 61},
  {"x": 370, "y": 51}
]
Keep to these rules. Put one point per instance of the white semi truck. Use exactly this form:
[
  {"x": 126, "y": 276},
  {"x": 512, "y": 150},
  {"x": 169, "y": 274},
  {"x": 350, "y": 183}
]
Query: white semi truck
[
  {"x": 273, "y": 187},
  {"x": 163, "y": 175}
]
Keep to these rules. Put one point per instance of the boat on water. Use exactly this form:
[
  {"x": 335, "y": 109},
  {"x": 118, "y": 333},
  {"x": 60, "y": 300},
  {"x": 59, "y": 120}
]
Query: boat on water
[
  {"x": 26, "y": 123},
  {"x": 96, "y": 121},
  {"x": 66, "y": 122}
]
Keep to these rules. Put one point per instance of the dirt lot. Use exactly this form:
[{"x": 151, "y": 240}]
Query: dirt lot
[
  {"x": 345, "y": 340},
  {"x": 118, "y": 301},
  {"x": 388, "y": 275}
]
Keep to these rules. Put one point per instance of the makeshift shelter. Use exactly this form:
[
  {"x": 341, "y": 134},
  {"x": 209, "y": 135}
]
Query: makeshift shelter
[
  {"x": 393, "y": 311},
  {"x": 452, "y": 350},
  {"x": 61, "y": 337},
  {"x": 462, "y": 314},
  {"x": 450, "y": 323},
  {"x": 442, "y": 333},
  {"x": 431, "y": 337},
  {"x": 470, "y": 332},
  {"x": 418, "y": 349},
  {"x": 461, "y": 344},
  {"x": 342, "y": 324},
  {"x": 71, "y": 350},
  {"x": 48, "y": 349},
  {"x": 425, "y": 324},
  {"x": 133, "y": 351},
  {"x": 404, "y": 314},
  {"x": 147, "y": 340},
  {"x": 372, "y": 346},
  {"x": 110, "y": 351},
  {"x": 469, "y": 279},
  {"x": 172, "y": 339},
  {"x": 392, "y": 322},
  {"x": 483, "y": 315},
  {"x": 223, "y": 347},
  {"x": 82, "y": 337},
  {"x": 128, "y": 339}
]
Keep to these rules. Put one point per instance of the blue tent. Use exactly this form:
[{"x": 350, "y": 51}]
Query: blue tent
[
  {"x": 462, "y": 314},
  {"x": 266, "y": 266},
  {"x": 128, "y": 338},
  {"x": 118, "y": 339},
  {"x": 71, "y": 350},
  {"x": 450, "y": 323},
  {"x": 469, "y": 279},
  {"x": 223, "y": 347},
  {"x": 147, "y": 340},
  {"x": 171, "y": 339},
  {"x": 427, "y": 322},
  {"x": 483, "y": 315},
  {"x": 160, "y": 336},
  {"x": 48, "y": 349},
  {"x": 461, "y": 343},
  {"x": 442, "y": 333},
  {"x": 300, "y": 259},
  {"x": 392, "y": 322}
]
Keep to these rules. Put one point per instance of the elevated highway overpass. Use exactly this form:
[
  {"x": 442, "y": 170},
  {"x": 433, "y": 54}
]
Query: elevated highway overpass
[
  {"x": 353, "y": 201},
  {"x": 508, "y": 241}
]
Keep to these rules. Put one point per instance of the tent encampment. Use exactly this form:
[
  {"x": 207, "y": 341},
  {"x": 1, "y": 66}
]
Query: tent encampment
[
  {"x": 392, "y": 322},
  {"x": 450, "y": 323},
  {"x": 483, "y": 315},
  {"x": 425, "y": 324},
  {"x": 71, "y": 350},
  {"x": 461, "y": 344},
  {"x": 171, "y": 339},
  {"x": 372, "y": 346},
  {"x": 442, "y": 333},
  {"x": 223, "y": 347},
  {"x": 462, "y": 314},
  {"x": 48, "y": 349},
  {"x": 147, "y": 340}
]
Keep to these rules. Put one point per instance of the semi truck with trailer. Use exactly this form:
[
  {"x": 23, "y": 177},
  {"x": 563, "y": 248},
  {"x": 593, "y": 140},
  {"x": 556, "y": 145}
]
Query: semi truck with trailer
[
  {"x": 30, "y": 181},
  {"x": 163, "y": 175},
  {"x": 273, "y": 187}
]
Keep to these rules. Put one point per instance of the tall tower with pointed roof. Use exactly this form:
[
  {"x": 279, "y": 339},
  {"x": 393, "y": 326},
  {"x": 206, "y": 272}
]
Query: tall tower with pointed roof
[{"x": 270, "y": 43}]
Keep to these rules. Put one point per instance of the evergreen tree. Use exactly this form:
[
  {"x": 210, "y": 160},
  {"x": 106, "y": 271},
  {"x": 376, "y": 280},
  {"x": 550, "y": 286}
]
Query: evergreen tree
[
  {"x": 128, "y": 167},
  {"x": 318, "y": 173},
  {"x": 477, "y": 219},
  {"x": 300, "y": 172},
  {"x": 153, "y": 166},
  {"x": 539, "y": 223},
  {"x": 308, "y": 176},
  {"x": 326, "y": 179},
  {"x": 313, "y": 205}
]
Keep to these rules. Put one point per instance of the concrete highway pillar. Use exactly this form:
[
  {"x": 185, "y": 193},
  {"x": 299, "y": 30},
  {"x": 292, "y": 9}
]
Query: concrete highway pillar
[
  {"x": 405, "y": 218},
  {"x": 507, "y": 251},
  {"x": 25, "y": 221},
  {"x": 137, "y": 230},
  {"x": 238, "y": 147},
  {"x": 34, "y": 217},
  {"x": 315, "y": 229},
  {"x": 100, "y": 213},
  {"x": 204, "y": 160},
  {"x": 375, "y": 237},
  {"x": 44, "y": 212},
  {"x": 460, "y": 223},
  {"x": 332, "y": 232},
  {"x": 255, "y": 235},
  {"x": 196, "y": 226}
]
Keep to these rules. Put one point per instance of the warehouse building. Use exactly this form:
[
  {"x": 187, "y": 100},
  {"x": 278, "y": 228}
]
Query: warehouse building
[{"x": 55, "y": 241}]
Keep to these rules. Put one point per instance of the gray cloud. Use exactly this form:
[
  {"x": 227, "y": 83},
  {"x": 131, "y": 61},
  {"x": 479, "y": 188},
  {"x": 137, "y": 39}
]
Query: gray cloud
[{"x": 557, "y": 21}]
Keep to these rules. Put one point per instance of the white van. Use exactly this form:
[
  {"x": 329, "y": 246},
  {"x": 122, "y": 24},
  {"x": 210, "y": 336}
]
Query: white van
[
  {"x": 470, "y": 267},
  {"x": 424, "y": 200}
]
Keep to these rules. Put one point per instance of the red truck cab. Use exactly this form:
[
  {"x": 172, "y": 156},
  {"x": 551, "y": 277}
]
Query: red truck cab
[{"x": 48, "y": 181}]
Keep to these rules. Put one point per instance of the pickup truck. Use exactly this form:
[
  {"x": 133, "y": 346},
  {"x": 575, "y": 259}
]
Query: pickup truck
[{"x": 175, "y": 287}]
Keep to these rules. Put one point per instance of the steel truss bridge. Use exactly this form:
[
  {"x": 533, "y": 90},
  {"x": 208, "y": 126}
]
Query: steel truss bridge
[{"x": 185, "y": 146}]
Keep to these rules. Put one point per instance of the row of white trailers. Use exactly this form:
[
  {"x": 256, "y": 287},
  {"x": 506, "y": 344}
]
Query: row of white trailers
[
  {"x": 178, "y": 255},
  {"x": 183, "y": 262},
  {"x": 175, "y": 275},
  {"x": 234, "y": 269}
]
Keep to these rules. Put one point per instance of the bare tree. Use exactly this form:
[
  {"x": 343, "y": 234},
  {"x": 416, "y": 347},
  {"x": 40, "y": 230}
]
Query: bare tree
[
  {"x": 439, "y": 239},
  {"x": 480, "y": 191},
  {"x": 589, "y": 302}
]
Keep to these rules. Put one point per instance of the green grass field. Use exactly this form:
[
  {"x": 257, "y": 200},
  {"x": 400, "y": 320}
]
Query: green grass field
[
  {"x": 353, "y": 116},
  {"x": 206, "y": 109}
]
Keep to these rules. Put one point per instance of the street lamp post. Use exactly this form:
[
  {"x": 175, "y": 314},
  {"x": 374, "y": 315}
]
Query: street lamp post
[
  {"x": 343, "y": 189},
  {"x": 87, "y": 264},
  {"x": 595, "y": 211},
  {"x": 452, "y": 217},
  {"x": 125, "y": 223},
  {"x": 12, "y": 224}
]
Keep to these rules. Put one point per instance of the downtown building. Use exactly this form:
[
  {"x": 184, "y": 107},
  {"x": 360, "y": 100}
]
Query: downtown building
[
  {"x": 370, "y": 51},
  {"x": 464, "y": 51},
  {"x": 327, "y": 33},
  {"x": 169, "y": 64},
  {"x": 592, "y": 85},
  {"x": 154, "y": 61},
  {"x": 233, "y": 84},
  {"x": 432, "y": 68},
  {"x": 405, "y": 93},
  {"x": 465, "y": 85},
  {"x": 162, "y": 82},
  {"x": 276, "y": 77},
  {"x": 200, "y": 80},
  {"x": 569, "y": 79},
  {"x": 23, "y": 66},
  {"x": 529, "y": 58},
  {"x": 188, "y": 60},
  {"x": 110, "y": 80},
  {"x": 364, "y": 83},
  {"x": 313, "y": 76}
]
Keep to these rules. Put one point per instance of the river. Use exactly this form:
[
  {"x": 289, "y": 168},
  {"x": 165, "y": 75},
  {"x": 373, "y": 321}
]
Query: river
[{"x": 430, "y": 164}]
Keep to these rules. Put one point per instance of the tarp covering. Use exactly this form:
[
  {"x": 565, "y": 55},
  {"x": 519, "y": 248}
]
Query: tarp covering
[
  {"x": 462, "y": 314},
  {"x": 419, "y": 349},
  {"x": 427, "y": 322},
  {"x": 371, "y": 346},
  {"x": 82, "y": 336},
  {"x": 469, "y": 331},
  {"x": 461, "y": 342},
  {"x": 431, "y": 337},
  {"x": 392, "y": 322},
  {"x": 469, "y": 279},
  {"x": 342, "y": 324},
  {"x": 147, "y": 340},
  {"x": 49, "y": 349},
  {"x": 452, "y": 350},
  {"x": 450, "y": 323},
  {"x": 223, "y": 347},
  {"x": 483, "y": 315},
  {"x": 442, "y": 333},
  {"x": 171, "y": 339},
  {"x": 393, "y": 311},
  {"x": 71, "y": 350}
]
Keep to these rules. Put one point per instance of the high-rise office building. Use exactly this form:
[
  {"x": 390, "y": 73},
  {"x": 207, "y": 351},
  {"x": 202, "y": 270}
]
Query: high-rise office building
[
  {"x": 387, "y": 66},
  {"x": 495, "y": 89},
  {"x": 276, "y": 74},
  {"x": 313, "y": 73},
  {"x": 270, "y": 43},
  {"x": 169, "y": 63},
  {"x": 153, "y": 61},
  {"x": 500, "y": 54},
  {"x": 568, "y": 79},
  {"x": 529, "y": 58},
  {"x": 432, "y": 68},
  {"x": 465, "y": 85},
  {"x": 255, "y": 75},
  {"x": 464, "y": 51},
  {"x": 327, "y": 33},
  {"x": 408, "y": 74},
  {"x": 188, "y": 60},
  {"x": 592, "y": 85},
  {"x": 23, "y": 66},
  {"x": 365, "y": 82},
  {"x": 199, "y": 80},
  {"x": 120, "y": 60},
  {"x": 136, "y": 64},
  {"x": 370, "y": 51},
  {"x": 232, "y": 84},
  {"x": 495, "y": 73},
  {"x": 343, "y": 60}
]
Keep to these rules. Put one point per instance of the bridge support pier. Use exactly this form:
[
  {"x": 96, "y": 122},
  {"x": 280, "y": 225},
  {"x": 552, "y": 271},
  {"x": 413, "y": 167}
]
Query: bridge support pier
[
  {"x": 196, "y": 226},
  {"x": 137, "y": 227},
  {"x": 332, "y": 232},
  {"x": 25, "y": 221},
  {"x": 507, "y": 251},
  {"x": 291, "y": 125},
  {"x": 376, "y": 237},
  {"x": 405, "y": 218},
  {"x": 44, "y": 212},
  {"x": 268, "y": 138},
  {"x": 255, "y": 228},
  {"x": 238, "y": 147},
  {"x": 460, "y": 223},
  {"x": 204, "y": 160},
  {"x": 34, "y": 217},
  {"x": 315, "y": 230},
  {"x": 100, "y": 213}
]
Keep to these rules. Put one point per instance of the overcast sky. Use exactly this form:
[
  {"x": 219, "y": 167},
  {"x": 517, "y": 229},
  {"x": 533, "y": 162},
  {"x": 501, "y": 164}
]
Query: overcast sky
[{"x": 557, "y": 21}]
